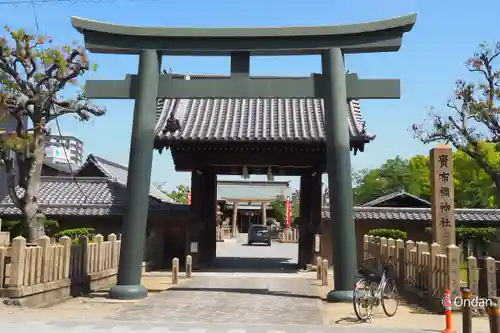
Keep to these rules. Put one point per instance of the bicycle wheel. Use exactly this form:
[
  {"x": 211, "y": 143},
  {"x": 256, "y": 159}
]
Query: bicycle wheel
[
  {"x": 390, "y": 297},
  {"x": 362, "y": 299}
]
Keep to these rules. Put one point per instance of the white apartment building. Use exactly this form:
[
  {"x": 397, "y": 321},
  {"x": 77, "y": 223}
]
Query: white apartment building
[{"x": 55, "y": 146}]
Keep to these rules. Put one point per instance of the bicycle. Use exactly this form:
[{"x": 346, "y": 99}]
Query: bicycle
[{"x": 374, "y": 290}]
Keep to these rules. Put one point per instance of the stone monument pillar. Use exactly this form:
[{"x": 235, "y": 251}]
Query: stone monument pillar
[
  {"x": 263, "y": 213},
  {"x": 235, "y": 218},
  {"x": 442, "y": 202}
]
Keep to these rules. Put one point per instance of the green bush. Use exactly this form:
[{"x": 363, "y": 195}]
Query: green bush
[
  {"x": 476, "y": 235},
  {"x": 388, "y": 233},
  {"x": 75, "y": 234},
  {"x": 16, "y": 229}
]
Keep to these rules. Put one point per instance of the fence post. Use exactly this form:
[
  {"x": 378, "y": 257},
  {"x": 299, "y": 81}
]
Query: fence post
[
  {"x": 472, "y": 276},
  {"x": 114, "y": 250},
  {"x": 189, "y": 266},
  {"x": 84, "y": 243},
  {"x": 65, "y": 241},
  {"x": 44, "y": 243},
  {"x": 487, "y": 277},
  {"x": 175, "y": 271},
  {"x": 466, "y": 311},
  {"x": 319, "y": 269},
  {"x": 98, "y": 239},
  {"x": 324, "y": 274},
  {"x": 494, "y": 315},
  {"x": 453, "y": 270},
  {"x": 17, "y": 266}
]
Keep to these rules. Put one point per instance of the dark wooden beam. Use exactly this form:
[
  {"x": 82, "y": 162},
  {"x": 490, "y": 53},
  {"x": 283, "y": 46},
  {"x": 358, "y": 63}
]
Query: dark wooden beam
[
  {"x": 256, "y": 162},
  {"x": 241, "y": 86}
]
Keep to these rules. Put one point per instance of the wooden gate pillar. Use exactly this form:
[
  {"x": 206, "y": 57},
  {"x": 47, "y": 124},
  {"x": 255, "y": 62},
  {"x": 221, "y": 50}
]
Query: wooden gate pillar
[
  {"x": 305, "y": 241},
  {"x": 208, "y": 243},
  {"x": 195, "y": 231},
  {"x": 315, "y": 202}
]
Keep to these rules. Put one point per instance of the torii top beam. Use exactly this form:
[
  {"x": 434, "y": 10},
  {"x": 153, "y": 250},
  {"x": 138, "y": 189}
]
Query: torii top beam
[{"x": 378, "y": 36}]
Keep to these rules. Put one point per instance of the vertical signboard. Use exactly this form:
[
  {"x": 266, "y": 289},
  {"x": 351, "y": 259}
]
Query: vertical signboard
[
  {"x": 442, "y": 186},
  {"x": 287, "y": 221},
  {"x": 189, "y": 198}
]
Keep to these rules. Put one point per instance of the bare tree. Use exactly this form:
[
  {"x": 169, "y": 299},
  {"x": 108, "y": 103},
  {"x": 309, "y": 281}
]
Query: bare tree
[
  {"x": 33, "y": 78},
  {"x": 473, "y": 125}
]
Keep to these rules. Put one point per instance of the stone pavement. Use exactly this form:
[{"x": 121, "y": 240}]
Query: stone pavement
[
  {"x": 167, "y": 327},
  {"x": 252, "y": 289}
]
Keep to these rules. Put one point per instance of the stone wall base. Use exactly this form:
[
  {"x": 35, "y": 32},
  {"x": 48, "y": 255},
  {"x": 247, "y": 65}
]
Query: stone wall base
[
  {"x": 44, "y": 294},
  {"x": 51, "y": 293},
  {"x": 421, "y": 298}
]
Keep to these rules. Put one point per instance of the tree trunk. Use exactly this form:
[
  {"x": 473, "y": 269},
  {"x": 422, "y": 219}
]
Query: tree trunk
[{"x": 34, "y": 218}]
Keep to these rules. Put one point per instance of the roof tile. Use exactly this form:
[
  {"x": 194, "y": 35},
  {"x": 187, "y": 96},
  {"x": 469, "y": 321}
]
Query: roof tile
[
  {"x": 119, "y": 173},
  {"x": 417, "y": 214},
  {"x": 82, "y": 196},
  {"x": 245, "y": 119}
]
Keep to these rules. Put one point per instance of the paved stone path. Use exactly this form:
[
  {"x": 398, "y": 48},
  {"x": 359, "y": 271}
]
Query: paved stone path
[
  {"x": 251, "y": 290},
  {"x": 167, "y": 327},
  {"x": 280, "y": 295}
]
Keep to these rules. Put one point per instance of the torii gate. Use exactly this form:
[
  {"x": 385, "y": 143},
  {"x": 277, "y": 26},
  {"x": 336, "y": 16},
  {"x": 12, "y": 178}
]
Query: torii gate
[{"x": 333, "y": 85}]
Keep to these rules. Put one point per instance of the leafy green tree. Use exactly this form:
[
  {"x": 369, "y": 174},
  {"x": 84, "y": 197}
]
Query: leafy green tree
[
  {"x": 398, "y": 173},
  {"x": 180, "y": 195},
  {"x": 279, "y": 211},
  {"x": 34, "y": 77},
  {"x": 472, "y": 125},
  {"x": 473, "y": 186}
]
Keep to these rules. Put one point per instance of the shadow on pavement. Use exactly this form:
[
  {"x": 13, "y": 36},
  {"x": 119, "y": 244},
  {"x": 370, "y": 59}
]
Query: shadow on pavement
[
  {"x": 252, "y": 265},
  {"x": 245, "y": 291}
]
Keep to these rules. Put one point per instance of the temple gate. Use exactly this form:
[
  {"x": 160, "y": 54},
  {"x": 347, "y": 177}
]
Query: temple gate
[{"x": 278, "y": 144}]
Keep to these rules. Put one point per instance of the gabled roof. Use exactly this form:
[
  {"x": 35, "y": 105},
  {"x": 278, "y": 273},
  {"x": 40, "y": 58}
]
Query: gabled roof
[
  {"x": 119, "y": 174},
  {"x": 418, "y": 214},
  {"x": 90, "y": 196},
  {"x": 398, "y": 193},
  {"x": 67, "y": 168},
  {"x": 251, "y": 119}
]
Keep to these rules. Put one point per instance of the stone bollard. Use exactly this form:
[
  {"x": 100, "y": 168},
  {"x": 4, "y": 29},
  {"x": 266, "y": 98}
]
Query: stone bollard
[
  {"x": 175, "y": 271},
  {"x": 324, "y": 274},
  {"x": 189, "y": 266},
  {"x": 319, "y": 270},
  {"x": 466, "y": 311},
  {"x": 494, "y": 315}
]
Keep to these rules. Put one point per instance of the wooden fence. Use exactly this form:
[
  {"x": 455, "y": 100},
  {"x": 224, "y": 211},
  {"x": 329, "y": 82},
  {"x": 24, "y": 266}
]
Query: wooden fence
[
  {"x": 289, "y": 235},
  {"x": 426, "y": 270},
  {"x": 31, "y": 270}
]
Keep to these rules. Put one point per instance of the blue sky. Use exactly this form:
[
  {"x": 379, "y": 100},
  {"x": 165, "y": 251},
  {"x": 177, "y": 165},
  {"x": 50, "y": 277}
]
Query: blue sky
[{"x": 431, "y": 59}]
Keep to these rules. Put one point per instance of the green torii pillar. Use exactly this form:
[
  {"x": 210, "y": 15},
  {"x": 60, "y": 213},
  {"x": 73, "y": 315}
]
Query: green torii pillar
[{"x": 333, "y": 85}]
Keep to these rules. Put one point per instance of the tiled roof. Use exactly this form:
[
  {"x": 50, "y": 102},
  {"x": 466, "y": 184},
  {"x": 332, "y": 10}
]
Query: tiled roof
[
  {"x": 418, "y": 214},
  {"x": 249, "y": 119},
  {"x": 82, "y": 196},
  {"x": 392, "y": 195},
  {"x": 119, "y": 173}
]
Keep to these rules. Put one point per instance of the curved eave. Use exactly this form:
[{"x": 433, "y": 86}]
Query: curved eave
[
  {"x": 357, "y": 143},
  {"x": 378, "y": 36},
  {"x": 403, "y": 23}
]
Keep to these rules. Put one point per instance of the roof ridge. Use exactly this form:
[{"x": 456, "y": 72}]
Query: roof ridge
[
  {"x": 102, "y": 160},
  {"x": 74, "y": 179},
  {"x": 417, "y": 209}
]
